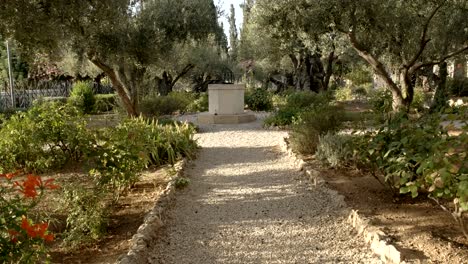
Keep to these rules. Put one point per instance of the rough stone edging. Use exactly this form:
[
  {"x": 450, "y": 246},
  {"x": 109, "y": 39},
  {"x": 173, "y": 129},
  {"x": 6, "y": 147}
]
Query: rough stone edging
[
  {"x": 374, "y": 237},
  {"x": 152, "y": 222}
]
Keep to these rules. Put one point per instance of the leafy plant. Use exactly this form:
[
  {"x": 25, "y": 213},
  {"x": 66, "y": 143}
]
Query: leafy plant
[
  {"x": 200, "y": 104},
  {"x": 155, "y": 105},
  {"x": 48, "y": 136},
  {"x": 312, "y": 123},
  {"x": 105, "y": 102},
  {"x": 82, "y": 97},
  {"x": 334, "y": 149},
  {"x": 259, "y": 100},
  {"x": 181, "y": 182},
  {"x": 87, "y": 212},
  {"x": 22, "y": 240}
]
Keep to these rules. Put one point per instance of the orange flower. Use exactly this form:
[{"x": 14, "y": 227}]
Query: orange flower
[
  {"x": 48, "y": 184},
  {"x": 28, "y": 186},
  {"x": 36, "y": 230}
]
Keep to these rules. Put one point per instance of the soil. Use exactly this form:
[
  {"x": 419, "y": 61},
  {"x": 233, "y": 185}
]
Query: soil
[
  {"x": 127, "y": 215},
  {"x": 419, "y": 228}
]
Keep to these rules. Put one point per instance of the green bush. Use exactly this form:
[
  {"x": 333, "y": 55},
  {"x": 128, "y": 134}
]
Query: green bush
[
  {"x": 311, "y": 124},
  {"x": 281, "y": 118},
  {"x": 105, "y": 102},
  {"x": 259, "y": 100},
  {"x": 344, "y": 94},
  {"x": 418, "y": 156},
  {"x": 155, "y": 105},
  {"x": 87, "y": 213},
  {"x": 82, "y": 97},
  {"x": 48, "y": 136},
  {"x": 301, "y": 100},
  {"x": 458, "y": 87},
  {"x": 295, "y": 103},
  {"x": 126, "y": 150},
  {"x": 381, "y": 102},
  {"x": 334, "y": 150},
  {"x": 200, "y": 104}
]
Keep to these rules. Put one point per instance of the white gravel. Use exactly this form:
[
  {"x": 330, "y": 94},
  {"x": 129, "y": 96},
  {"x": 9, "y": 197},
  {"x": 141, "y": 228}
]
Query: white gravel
[{"x": 246, "y": 203}]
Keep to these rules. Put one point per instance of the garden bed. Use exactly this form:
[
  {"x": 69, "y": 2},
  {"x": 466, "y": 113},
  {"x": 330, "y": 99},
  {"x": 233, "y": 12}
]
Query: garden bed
[
  {"x": 126, "y": 216},
  {"x": 419, "y": 228}
]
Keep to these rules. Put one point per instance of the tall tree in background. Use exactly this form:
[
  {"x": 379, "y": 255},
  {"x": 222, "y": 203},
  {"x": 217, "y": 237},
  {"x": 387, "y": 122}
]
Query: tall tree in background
[
  {"x": 119, "y": 36},
  {"x": 233, "y": 35},
  {"x": 400, "y": 38}
]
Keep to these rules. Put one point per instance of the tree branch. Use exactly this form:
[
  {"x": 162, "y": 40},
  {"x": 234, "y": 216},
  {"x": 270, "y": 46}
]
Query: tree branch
[
  {"x": 424, "y": 41},
  {"x": 184, "y": 71},
  {"x": 439, "y": 61}
]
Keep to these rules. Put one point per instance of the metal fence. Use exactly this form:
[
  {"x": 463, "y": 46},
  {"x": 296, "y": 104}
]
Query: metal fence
[{"x": 25, "y": 94}]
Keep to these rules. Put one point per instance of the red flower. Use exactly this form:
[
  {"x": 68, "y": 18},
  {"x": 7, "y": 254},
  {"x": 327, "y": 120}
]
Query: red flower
[
  {"x": 48, "y": 184},
  {"x": 36, "y": 230},
  {"x": 28, "y": 186}
]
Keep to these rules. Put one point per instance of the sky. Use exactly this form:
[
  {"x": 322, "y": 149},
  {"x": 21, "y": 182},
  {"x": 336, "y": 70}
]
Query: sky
[{"x": 226, "y": 6}]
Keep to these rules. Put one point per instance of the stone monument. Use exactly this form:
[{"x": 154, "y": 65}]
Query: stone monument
[{"x": 226, "y": 105}]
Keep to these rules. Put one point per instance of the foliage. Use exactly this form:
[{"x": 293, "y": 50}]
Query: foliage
[
  {"x": 154, "y": 105},
  {"x": 458, "y": 86},
  {"x": 293, "y": 104},
  {"x": 281, "y": 118},
  {"x": 22, "y": 240},
  {"x": 312, "y": 123},
  {"x": 48, "y": 136},
  {"x": 128, "y": 40},
  {"x": 105, "y": 102},
  {"x": 87, "y": 213},
  {"x": 200, "y": 104},
  {"x": 82, "y": 97},
  {"x": 418, "y": 157},
  {"x": 181, "y": 182},
  {"x": 136, "y": 143},
  {"x": 259, "y": 100},
  {"x": 334, "y": 149},
  {"x": 381, "y": 101}
]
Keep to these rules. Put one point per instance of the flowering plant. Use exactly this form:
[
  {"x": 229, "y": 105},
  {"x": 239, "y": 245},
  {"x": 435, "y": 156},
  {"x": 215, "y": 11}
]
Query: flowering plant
[{"x": 22, "y": 240}]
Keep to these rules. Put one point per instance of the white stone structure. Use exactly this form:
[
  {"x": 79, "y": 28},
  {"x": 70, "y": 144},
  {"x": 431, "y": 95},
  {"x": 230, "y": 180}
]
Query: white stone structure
[{"x": 226, "y": 105}]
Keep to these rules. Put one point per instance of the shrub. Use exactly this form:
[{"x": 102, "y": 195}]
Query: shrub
[
  {"x": 259, "y": 100},
  {"x": 87, "y": 213},
  {"x": 334, "y": 149},
  {"x": 82, "y": 97},
  {"x": 48, "y": 136},
  {"x": 311, "y": 124},
  {"x": 296, "y": 103},
  {"x": 417, "y": 156},
  {"x": 381, "y": 101},
  {"x": 22, "y": 240},
  {"x": 300, "y": 100},
  {"x": 136, "y": 143},
  {"x": 154, "y": 105},
  {"x": 283, "y": 117},
  {"x": 200, "y": 104},
  {"x": 105, "y": 102},
  {"x": 344, "y": 94}
]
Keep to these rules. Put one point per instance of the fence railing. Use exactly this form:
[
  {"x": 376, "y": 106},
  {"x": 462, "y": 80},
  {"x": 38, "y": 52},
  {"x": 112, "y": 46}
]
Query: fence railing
[{"x": 24, "y": 94}]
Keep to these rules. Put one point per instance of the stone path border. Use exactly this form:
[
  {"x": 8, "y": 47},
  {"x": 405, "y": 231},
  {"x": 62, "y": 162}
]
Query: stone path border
[
  {"x": 374, "y": 237},
  {"x": 152, "y": 222}
]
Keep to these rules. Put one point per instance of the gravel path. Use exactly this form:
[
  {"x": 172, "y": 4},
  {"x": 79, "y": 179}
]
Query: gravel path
[{"x": 246, "y": 203}]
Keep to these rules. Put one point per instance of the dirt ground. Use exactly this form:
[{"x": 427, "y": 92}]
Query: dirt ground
[
  {"x": 124, "y": 221},
  {"x": 419, "y": 228}
]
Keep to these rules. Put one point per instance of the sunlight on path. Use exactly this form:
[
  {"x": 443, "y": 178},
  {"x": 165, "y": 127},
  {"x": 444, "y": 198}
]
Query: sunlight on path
[{"x": 247, "y": 204}]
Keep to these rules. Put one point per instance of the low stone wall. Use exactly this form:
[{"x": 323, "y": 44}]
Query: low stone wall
[
  {"x": 374, "y": 237},
  {"x": 147, "y": 232}
]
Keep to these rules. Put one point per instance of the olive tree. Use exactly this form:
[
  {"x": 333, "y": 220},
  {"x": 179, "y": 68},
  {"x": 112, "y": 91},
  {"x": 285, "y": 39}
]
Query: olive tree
[{"x": 121, "y": 37}]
